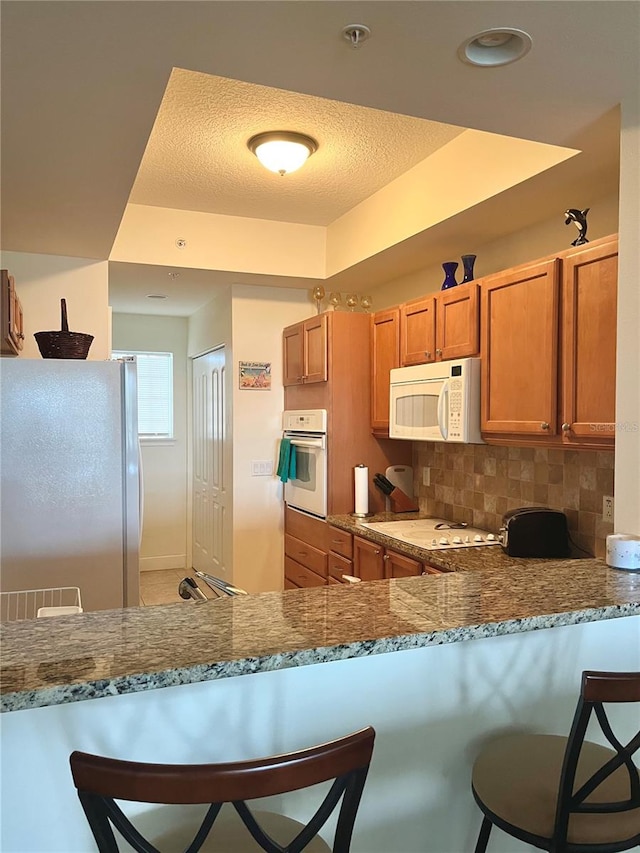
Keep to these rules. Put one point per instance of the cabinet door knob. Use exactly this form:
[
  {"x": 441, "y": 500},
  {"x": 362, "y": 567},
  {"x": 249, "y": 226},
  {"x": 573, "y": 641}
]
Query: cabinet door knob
[
  {"x": 386, "y": 557},
  {"x": 566, "y": 427},
  {"x": 438, "y": 352},
  {"x": 428, "y": 354},
  {"x": 376, "y": 551},
  {"x": 544, "y": 425}
]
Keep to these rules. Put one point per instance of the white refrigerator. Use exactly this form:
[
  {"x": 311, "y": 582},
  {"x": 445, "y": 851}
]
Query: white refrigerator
[{"x": 70, "y": 512}]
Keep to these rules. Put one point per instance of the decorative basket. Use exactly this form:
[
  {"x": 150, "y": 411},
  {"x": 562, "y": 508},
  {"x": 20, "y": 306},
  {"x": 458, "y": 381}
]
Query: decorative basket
[{"x": 63, "y": 344}]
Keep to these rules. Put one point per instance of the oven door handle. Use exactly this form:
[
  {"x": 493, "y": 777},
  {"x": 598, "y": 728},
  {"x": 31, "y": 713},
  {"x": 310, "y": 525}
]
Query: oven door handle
[{"x": 298, "y": 442}]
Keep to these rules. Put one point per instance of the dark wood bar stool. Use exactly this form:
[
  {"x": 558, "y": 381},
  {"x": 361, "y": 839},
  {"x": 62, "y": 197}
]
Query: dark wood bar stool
[
  {"x": 566, "y": 795},
  {"x": 101, "y": 781}
]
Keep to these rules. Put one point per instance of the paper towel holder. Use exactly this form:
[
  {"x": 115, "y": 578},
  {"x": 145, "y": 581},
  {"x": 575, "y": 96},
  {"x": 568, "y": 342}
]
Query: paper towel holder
[{"x": 356, "y": 514}]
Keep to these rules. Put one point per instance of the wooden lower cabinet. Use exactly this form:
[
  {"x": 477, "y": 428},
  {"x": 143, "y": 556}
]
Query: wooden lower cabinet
[
  {"x": 368, "y": 562},
  {"x": 340, "y": 561},
  {"x": 374, "y": 562},
  {"x": 398, "y": 566},
  {"x": 300, "y": 575},
  {"x": 305, "y": 561},
  {"x": 338, "y": 567}
]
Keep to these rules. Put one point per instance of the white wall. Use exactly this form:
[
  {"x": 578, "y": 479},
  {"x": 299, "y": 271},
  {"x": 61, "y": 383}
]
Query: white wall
[
  {"x": 42, "y": 280},
  {"x": 248, "y": 322},
  {"x": 544, "y": 238},
  {"x": 259, "y": 315},
  {"x": 164, "y": 536},
  {"x": 627, "y": 473}
]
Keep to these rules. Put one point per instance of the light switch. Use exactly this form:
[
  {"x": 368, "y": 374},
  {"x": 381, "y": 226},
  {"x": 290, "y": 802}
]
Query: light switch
[{"x": 261, "y": 468}]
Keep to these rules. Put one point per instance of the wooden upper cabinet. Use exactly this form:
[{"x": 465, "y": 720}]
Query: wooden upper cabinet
[
  {"x": 11, "y": 318},
  {"x": 385, "y": 355},
  {"x": 418, "y": 331},
  {"x": 441, "y": 326},
  {"x": 305, "y": 352},
  {"x": 519, "y": 348},
  {"x": 589, "y": 298},
  {"x": 292, "y": 355},
  {"x": 458, "y": 322}
]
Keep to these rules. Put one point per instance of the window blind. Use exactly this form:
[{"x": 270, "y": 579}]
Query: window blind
[{"x": 155, "y": 393}]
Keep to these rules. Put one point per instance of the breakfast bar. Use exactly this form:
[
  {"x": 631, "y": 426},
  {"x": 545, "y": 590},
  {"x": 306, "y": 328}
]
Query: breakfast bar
[{"x": 436, "y": 664}]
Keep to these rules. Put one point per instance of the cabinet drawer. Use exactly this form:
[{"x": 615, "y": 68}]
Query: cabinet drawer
[
  {"x": 339, "y": 566},
  {"x": 306, "y": 555},
  {"x": 340, "y": 542},
  {"x": 300, "y": 575},
  {"x": 307, "y": 529},
  {"x": 431, "y": 570}
]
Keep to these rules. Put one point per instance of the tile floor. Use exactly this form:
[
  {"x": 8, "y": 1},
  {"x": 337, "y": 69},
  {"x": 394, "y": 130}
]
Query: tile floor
[{"x": 161, "y": 587}]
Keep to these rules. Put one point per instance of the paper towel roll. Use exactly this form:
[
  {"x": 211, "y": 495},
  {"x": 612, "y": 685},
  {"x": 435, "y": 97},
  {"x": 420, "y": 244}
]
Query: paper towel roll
[
  {"x": 361, "y": 490},
  {"x": 623, "y": 551}
]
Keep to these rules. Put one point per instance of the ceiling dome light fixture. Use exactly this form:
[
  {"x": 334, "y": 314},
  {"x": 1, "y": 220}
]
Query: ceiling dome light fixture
[
  {"x": 282, "y": 151},
  {"x": 497, "y": 46}
]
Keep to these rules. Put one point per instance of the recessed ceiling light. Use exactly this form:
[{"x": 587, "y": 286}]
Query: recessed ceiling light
[
  {"x": 497, "y": 46},
  {"x": 157, "y": 296}
]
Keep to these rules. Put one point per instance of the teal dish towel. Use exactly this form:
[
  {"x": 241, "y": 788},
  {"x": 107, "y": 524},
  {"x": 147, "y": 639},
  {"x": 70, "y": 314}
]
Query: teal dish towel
[{"x": 286, "y": 461}]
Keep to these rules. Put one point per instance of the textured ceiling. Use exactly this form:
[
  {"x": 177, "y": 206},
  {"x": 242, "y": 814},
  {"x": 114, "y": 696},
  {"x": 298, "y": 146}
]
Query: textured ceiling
[
  {"x": 82, "y": 84},
  {"x": 197, "y": 156}
]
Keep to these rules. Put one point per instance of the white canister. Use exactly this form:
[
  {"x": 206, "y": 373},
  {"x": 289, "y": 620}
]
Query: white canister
[{"x": 623, "y": 551}]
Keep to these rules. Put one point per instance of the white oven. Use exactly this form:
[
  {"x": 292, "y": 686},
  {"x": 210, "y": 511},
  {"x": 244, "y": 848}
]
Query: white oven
[{"x": 306, "y": 431}]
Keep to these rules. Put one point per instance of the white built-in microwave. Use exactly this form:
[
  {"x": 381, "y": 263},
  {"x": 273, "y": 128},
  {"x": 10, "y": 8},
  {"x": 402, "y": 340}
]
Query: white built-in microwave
[{"x": 436, "y": 402}]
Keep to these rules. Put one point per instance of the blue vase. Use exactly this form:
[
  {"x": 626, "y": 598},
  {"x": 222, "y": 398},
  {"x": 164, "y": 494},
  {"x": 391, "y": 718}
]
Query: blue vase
[
  {"x": 449, "y": 268},
  {"x": 467, "y": 264}
]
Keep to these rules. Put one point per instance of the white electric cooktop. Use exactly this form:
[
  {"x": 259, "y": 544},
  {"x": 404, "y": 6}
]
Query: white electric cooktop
[{"x": 434, "y": 534}]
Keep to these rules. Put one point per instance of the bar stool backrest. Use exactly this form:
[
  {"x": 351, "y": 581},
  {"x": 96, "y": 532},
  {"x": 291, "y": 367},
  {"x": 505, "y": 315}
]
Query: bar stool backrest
[
  {"x": 101, "y": 781},
  {"x": 598, "y": 689}
]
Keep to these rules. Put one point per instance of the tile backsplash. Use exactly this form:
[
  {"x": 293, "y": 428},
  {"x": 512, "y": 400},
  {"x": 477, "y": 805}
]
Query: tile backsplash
[{"x": 479, "y": 483}]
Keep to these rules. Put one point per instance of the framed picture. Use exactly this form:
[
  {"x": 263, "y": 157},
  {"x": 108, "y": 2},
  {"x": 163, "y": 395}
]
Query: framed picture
[{"x": 255, "y": 375}]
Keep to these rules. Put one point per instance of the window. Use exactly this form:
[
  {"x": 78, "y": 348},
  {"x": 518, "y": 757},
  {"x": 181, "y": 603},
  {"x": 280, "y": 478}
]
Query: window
[{"x": 155, "y": 393}]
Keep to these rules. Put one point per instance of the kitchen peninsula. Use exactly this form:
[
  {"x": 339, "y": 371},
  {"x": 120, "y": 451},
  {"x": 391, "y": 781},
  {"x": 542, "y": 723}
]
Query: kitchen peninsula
[{"x": 434, "y": 663}]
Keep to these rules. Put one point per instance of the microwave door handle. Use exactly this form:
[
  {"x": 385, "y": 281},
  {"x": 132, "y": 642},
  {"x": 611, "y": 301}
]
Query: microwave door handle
[{"x": 443, "y": 410}]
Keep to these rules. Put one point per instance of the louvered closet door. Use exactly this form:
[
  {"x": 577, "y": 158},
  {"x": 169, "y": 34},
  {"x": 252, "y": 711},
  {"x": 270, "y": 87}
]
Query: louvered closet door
[{"x": 211, "y": 472}]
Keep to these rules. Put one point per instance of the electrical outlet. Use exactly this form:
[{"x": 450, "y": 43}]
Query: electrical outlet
[
  {"x": 607, "y": 508},
  {"x": 426, "y": 476}
]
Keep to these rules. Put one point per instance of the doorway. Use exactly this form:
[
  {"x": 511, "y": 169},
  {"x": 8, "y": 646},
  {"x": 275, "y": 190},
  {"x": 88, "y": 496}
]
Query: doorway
[{"x": 211, "y": 473}]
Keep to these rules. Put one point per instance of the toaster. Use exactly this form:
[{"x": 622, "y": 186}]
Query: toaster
[{"x": 535, "y": 531}]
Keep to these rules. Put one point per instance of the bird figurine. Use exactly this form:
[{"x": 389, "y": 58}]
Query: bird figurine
[{"x": 579, "y": 219}]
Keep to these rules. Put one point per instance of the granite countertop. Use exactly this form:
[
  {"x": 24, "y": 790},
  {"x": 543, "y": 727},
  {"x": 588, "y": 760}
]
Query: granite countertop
[
  {"x": 452, "y": 559},
  {"x": 73, "y": 658}
]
